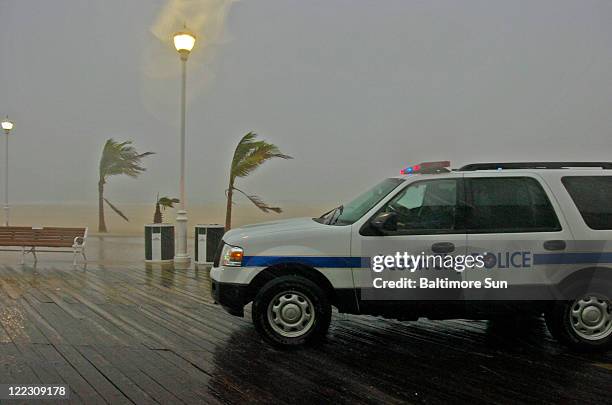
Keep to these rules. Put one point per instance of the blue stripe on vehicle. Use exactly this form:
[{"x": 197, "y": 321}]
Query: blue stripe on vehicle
[
  {"x": 314, "y": 261},
  {"x": 572, "y": 258},
  {"x": 364, "y": 262}
]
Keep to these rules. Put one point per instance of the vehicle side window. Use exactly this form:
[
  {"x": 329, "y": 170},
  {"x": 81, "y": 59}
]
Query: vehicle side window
[
  {"x": 425, "y": 207},
  {"x": 509, "y": 204},
  {"x": 593, "y": 198}
]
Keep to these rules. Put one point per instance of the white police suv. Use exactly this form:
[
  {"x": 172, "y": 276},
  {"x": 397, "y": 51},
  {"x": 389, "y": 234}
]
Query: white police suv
[{"x": 540, "y": 233}]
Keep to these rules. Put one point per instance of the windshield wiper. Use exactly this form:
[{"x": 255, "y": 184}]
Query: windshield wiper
[{"x": 336, "y": 215}]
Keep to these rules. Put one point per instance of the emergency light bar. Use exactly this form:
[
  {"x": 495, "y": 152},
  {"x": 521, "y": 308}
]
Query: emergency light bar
[{"x": 427, "y": 167}]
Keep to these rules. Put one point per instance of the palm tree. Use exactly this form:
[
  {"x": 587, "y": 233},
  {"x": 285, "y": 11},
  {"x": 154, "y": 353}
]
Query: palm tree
[
  {"x": 117, "y": 159},
  {"x": 161, "y": 205},
  {"x": 248, "y": 156}
]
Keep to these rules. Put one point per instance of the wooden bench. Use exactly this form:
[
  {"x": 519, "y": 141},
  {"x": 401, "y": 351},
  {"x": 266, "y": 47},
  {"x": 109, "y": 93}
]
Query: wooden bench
[{"x": 32, "y": 239}]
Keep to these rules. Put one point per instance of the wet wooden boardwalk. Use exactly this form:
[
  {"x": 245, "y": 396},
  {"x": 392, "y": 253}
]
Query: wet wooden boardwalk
[{"x": 122, "y": 333}]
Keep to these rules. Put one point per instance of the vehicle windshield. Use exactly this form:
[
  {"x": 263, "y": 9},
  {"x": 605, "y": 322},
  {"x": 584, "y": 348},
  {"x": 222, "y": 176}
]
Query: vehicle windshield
[{"x": 349, "y": 213}]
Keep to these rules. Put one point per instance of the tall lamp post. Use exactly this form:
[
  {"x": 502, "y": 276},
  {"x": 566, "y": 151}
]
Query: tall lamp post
[
  {"x": 7, "y": 126},
  {"x": 183, "y": 42}
]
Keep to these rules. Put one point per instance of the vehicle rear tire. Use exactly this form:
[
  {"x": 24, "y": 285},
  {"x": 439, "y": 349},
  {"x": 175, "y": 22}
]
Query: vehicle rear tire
[
  {"x": 583, "y": 324},
  {"x": 291, "y": 311}
]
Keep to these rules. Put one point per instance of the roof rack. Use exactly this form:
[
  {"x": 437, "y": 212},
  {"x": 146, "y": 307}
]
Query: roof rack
[{"x": 534, "y": 165}]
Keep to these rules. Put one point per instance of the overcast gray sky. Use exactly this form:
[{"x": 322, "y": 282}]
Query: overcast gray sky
[{"x": 354, "y": 90}]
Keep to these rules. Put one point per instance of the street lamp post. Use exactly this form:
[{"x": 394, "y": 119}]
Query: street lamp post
[
  {"x": 7, "y": 126},
  {"x": 183, "y": 42}
]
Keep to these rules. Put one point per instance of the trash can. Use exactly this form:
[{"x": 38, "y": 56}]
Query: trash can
[
  {"x": 159, "y": 243},
  {"x": 207, "y": 239}
]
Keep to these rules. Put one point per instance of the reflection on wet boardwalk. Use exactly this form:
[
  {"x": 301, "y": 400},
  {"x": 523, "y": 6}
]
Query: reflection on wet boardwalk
[{"x": 119, "y": 332}]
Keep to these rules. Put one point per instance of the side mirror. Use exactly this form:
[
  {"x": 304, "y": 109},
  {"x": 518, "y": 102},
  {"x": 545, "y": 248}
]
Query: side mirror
[{"x": 384, "y": 222}]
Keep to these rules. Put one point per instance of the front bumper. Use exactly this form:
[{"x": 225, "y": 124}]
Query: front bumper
[
  {"x": 230, "y": 287},
  {"x": 232, "y": 297}
]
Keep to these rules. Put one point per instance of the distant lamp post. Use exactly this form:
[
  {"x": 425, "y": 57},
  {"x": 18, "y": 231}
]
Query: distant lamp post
[
  {"x": 7, "y": 126},
  {"x": 183, "y": 42}
]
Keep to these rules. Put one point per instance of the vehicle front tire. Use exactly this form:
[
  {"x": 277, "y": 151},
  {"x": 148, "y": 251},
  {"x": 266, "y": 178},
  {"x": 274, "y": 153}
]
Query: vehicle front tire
[
  {"x": 583, "y": 324},
  {"x": 291, "y": 311}
]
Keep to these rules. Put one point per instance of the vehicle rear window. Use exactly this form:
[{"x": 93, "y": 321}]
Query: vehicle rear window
[
  {"x": 509, "y": 204},
  {"x": 593, "y": 198}
]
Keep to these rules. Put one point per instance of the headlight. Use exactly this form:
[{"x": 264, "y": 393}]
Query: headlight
[{"x": 231, "y": 256}]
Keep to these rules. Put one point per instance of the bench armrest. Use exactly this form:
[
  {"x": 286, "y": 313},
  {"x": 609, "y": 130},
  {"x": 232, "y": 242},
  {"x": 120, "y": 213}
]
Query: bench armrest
[{"x": 80, "y": 240}]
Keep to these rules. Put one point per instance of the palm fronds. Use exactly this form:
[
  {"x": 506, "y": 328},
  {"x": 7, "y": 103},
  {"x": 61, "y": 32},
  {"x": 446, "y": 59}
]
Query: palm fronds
[
  {"x": 163, "y": 202},
  {"x": 249, "y": 155},
  {"x": 121, "y": 158},
  {"x": 167, "y": 202},
  {"x": 118, "y": 158},
  {"x": 117, "y": 210},
  {"x": 259, "y": 202}
]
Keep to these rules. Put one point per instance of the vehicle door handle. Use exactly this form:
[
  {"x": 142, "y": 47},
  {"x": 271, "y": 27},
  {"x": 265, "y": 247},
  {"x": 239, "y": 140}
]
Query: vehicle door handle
[
  {"x": 443, "y": 247},
  {"x": 554, "y": 245}
]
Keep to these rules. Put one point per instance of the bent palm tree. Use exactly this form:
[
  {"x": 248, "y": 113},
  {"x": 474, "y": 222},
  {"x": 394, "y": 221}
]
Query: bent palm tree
[
  {"x": 248, "y": 156},
  {"x": 161, "y": 205},
  {"x": 117, "y": 159}
]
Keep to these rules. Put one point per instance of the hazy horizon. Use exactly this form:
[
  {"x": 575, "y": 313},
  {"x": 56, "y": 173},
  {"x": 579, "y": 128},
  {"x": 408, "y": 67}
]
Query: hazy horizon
[
  {"x": 353, "y": 90},
  {"x": 78, "y": 215}
]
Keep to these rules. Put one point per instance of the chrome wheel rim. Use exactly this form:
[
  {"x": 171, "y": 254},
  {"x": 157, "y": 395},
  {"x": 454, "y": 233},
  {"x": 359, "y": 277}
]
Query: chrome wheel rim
[
  {"x": 291, "y": 314},
  {"x": 591, "y": 317}
]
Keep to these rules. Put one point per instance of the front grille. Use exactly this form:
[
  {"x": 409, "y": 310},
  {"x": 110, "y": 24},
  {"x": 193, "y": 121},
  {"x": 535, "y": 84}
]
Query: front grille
[{"x": 217, "y": 258}]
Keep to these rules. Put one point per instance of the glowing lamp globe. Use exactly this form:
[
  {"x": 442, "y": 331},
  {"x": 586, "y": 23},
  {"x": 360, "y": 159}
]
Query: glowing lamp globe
[
  {"x": 7, "y": 125},
  {"x": 184, "y": 42}
]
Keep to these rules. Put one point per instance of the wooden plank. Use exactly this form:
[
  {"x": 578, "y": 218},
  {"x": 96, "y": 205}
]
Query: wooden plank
[
  {"x": 43, "y": 369},
  {"x": 229, "y": 386},
  {"x": 123, "y": 383},
  {"x": 49, "y": 332},
  {"x": 200, "y": 338},
  {"x": 74, "y": 331},
  {"x": 5, "y": 364},
  {"x": 167, "y": 338},
  {"x": 97, "y": 380},
  {"x": 10, "y": 288},
  {"x": 120, "y": 337},
  {"x": 44, "y": 244},
  {"x": 71, "y": 309},
  {"x": 16, "y": 369},
  {"x": 17, "y": 323},
  {"x": 127, "y": 365},
  {"x": 78, "y": 385},
  {"x": 4, "y": 336},
  {"x": 39, "y": 294},
  {"x": 111, "y": 314},
  {"x": 173, "y": 379}
]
